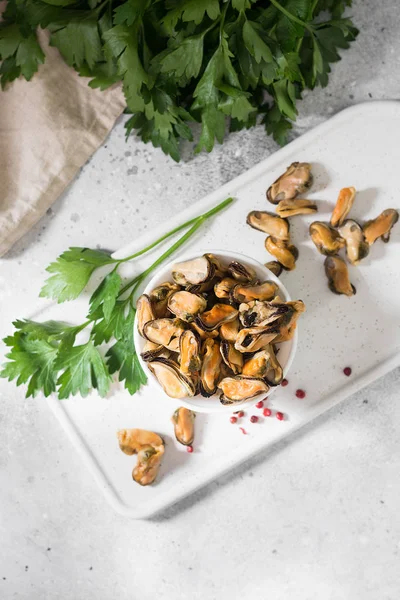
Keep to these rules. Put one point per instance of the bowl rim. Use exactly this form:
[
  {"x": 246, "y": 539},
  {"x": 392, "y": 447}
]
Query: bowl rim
[{"x": 191, "y": 402}]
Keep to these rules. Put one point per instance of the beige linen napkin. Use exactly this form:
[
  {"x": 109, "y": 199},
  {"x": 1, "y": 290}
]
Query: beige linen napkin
[{"x": 49, "y": 127}]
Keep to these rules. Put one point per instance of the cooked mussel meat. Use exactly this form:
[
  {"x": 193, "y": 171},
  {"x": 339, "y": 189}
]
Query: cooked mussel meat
[
  {"x": 183, "y": 420},
  {"x": 186, "y": 306},
  {"x": 151, "y": 350},
  {"x": 343, "y": 205},
  {"x": 274, "y": 371},
  {"x": 338, "y": 276},
  {"x": 275, "y": 267},
  {"x": 231, "y": 357},
  {"x": 241, "y": 272},
  {"x": 296, "y": 180},
  {"x": 222, "y": 288},
  {"x": 257, "y": 365},
  {"x": 193, "y": 272},
  {"x": 286, "y": 254},
  {"x": 269, "y": 223},
  {"x": 144, "y": 311},
  {"x": 149, "y": 448},
  {"x": 190, "y": 353},
  {"x": 381, "y": 226},
  {"x": 259, "y": 314},
  {"x": 356, "y": 246},
  {"x": 202, "y": 288},
  {"x": 210, "y": 336},
  {"x": 288, "y": 323},
  {"x": 132, "y": 440},
  {"x": 298, "y": 206},
  {"x": 251, "y": 339},
  {"x": 326, "y": 239},
  {"x": 211, "y": 367},
  {"x": 247, "y": 292},
  {"x": 165, "y": 332},
  {"x": 229, "y": 331},
  {"x": 159, "y": 298},
  {"x": 220, "y": 270},
  {"x": 219, "y": 314},
  {"x": 174, "y": 383},
  {"x": 239, "y": 389},
  {"x": 203, "y": 335}
]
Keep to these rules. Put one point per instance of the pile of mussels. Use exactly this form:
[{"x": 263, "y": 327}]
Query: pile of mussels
[
  {"x": 215, "y": 327},
  {"x": 328, "y": 238}
]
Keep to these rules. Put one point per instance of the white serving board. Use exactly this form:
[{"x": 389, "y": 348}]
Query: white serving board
[{"x": 360, "y": 147}]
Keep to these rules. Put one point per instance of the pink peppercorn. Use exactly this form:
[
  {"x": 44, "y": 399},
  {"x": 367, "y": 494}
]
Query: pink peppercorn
[
  {"x": 300, "y": 394},
  {"x": 260, "y": 404},
  {"x": 280, "y": 416},
  {"x": 284, "y": 382},
  {"x": 233, "y": 419},
  {"x": 253, "y": 419},
  {"x": 267, "y": 412},
  {"x": 189, "y": 449},
  {"x": 240, "y": 414},
  {"x": 347, "y": 371}
]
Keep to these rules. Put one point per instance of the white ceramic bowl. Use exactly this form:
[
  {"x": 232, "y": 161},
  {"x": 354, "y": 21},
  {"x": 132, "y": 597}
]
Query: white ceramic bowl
[{"x": 199, "y": 403}]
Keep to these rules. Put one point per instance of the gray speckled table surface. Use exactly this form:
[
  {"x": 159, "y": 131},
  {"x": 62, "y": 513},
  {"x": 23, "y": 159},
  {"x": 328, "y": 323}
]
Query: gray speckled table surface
[{"x": 305, "y": 522}]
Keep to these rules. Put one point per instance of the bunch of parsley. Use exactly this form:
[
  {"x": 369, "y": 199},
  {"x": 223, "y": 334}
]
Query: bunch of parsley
[
  {"x": 219, "y": 62},
  {"x": 49, "y": 357}
]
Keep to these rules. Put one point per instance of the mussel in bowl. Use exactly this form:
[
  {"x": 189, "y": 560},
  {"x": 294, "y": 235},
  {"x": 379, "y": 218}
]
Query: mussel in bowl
[
  {"x": 235, "y": 390},
  {"x": 219, "y": 328},
  {"x": 193, "y": 272}
]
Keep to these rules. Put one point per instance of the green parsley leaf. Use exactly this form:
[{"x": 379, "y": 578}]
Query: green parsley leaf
[
  {"x": 241, "y": 5},
  {"x": 62, "y": 2},
  {"x": 47, "y": 330},
  {"x": 72, "y": 271},
  {"x": 285, "y": 98},
  {"x": 122, "y": 358},
  {"x": 84, "y": 369},
  {"x": 212, "y": 126},
  {"x": 130, "y": 12},
  {"x": 180, "y": 60},
  {"x": 10, "y": 39},
  {"x": 289, "y": 31},
  {"x": 24, "y": 52},
  {"x": 191, "y": 10},
  {"x": 255, "y": 44},
  {"x": 29, "y": 56},
  {"x": 103, "y": 330},
  {"x": 31, "y": 361},
  {"x": 9, "y": 71},
  {"x": 104, "y": 73},
  {"x": 79, "y": 40},
  {"x": 276, "y": 125},
  {"x": 186, "y": 59},
  {"x": 195, "y": 10},
  {"x": 122, "y": 44},
  {"x": 327, "y": 40},
  {"x": 235, "y": 103},
  {"x": 236, "y": 125},
  {"x": 106, "y": 295}
]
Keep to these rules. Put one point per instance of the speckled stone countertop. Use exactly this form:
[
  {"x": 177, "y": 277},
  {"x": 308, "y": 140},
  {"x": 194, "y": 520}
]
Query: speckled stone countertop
[{"x": 306, "y": 522}]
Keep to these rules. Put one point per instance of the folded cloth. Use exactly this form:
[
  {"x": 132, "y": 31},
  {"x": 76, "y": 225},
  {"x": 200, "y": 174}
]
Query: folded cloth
[{"x": 49, "y": 128}]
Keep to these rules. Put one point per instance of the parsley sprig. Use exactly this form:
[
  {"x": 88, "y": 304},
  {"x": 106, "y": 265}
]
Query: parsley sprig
[
  {"x": 46, "y": 357},
  {"x": 179, "y": 61}
]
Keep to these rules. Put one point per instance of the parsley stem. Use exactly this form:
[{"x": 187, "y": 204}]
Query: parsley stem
[
  {"x": 206, "y": 215},
  {"x": 154, "y": 244},
  {"x": 290, "y": 15},
  {"x": 196, "y": 223}
]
